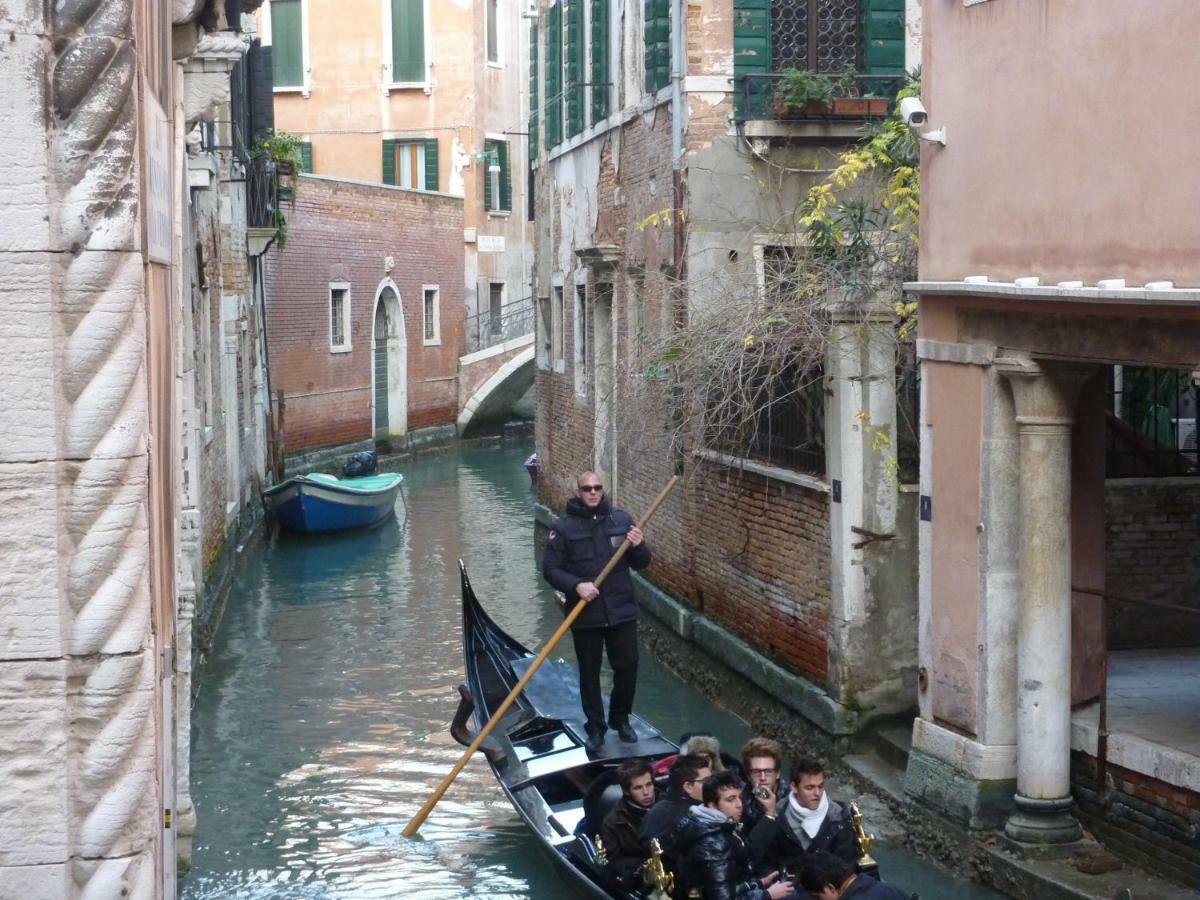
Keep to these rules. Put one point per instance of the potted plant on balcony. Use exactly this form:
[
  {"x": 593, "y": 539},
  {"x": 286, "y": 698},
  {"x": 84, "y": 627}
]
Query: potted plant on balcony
[
  {"x": 848, "y": 100},
  {"x": 802, "y": 91},
  {"x": 283, "y": 149}
]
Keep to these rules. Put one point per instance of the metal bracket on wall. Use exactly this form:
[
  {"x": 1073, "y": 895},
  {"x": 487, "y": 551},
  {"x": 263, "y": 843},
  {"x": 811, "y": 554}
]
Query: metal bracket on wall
[{"x": 869, "y": 537}]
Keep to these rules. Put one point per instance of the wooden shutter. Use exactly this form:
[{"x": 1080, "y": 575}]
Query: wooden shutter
[
  {"x": 883, "y": 37},
  {"x": 389, "y": 161},
  {"x": 306, "y": 156},
  {"x": 489, "y": 148},
  {"x": 505, "y": 177},
  {"x": 431, "y": 164},
  {"x": 534, "y": 100},
  {"x": 287, "y": 42},
  {"x": 752, "y": 56},
  {"x": 574, "y": 52},
  {"x": 657, "y": 37},
  {"x": 601, "y": 72},
  {"x": 408, "y": 41},
  {"x": 553, "y": 104}
]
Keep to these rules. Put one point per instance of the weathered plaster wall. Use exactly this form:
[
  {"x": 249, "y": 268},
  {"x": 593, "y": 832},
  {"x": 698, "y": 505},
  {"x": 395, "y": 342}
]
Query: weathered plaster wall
[{"x": 1028, "y": 184}]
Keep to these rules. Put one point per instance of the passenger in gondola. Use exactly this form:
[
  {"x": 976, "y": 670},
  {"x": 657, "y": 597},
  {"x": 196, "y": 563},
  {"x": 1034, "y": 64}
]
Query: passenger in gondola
[
  {"x": 622, "y": 827},
  {"x": 713, "y": 856},
  {"x": 685, "y": 788},
  {"x": 762, "y": 768},
  {"x": 805, "y": 821},
  {"x": 829, "y": 877},
  {"x": 578, "y": 547}
]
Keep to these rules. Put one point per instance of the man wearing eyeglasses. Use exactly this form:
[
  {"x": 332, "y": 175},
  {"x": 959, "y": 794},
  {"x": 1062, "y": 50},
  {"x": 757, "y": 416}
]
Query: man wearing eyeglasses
[{"x": 579, "y": 545}]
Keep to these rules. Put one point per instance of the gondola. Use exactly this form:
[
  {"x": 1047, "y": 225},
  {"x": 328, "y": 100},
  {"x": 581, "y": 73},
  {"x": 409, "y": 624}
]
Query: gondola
[{"x": 536, "y": 752}]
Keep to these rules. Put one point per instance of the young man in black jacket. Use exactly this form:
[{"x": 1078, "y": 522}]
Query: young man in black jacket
[
  {"x": 685, "y": 789},
  {"x": 805, "y": 821},
  {"x": 622, "y": 827},
  {"x": 578, "y": 547},
  {"x": 713, "y": 857},
  {"x": 829, "y": 877}
]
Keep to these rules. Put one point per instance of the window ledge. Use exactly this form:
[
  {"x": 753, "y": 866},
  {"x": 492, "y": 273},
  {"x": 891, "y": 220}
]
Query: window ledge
[
  {"x": 499, "y": 213},
  {"x": 291, "y": 89},
  {"x": 495, "y": 65},
  {"x": 435, "y": 342},
  {"x": 411, "y": 86},
  {"x": 344, "y": 348},
  {"x": 812, "y": 482}
]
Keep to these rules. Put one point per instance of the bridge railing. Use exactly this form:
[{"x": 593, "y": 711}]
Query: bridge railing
[{"x": 491, "y": 327}]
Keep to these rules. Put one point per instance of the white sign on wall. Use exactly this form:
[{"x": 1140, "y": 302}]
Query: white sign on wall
[
  {"x": 490, "y": 243},
  {"x": 159, "y": 194}
]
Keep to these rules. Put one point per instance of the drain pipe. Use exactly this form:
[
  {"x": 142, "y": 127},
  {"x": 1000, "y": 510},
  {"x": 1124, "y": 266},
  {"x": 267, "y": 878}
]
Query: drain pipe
[{"x": 678, "y": 72}]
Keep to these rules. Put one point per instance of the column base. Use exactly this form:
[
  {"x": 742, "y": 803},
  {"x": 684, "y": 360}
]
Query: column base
[{"x": 1043, "y": 821}]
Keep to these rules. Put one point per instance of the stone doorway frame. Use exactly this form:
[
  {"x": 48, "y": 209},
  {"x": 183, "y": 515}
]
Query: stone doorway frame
[{"x": 397, "y": 359}]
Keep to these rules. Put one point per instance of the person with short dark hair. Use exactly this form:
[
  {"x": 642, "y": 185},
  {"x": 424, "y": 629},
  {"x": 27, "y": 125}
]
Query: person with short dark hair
[
  {"x": 621, "y": 828},
  {"x": 762, "y": 765},
  {"x": 829, "y": 877},
  {"x": 713, "y": 857},
  {"x": 579, "y": 546},
  {"x": 807, "y": 821},
  {"x": 685, "y": 787}
]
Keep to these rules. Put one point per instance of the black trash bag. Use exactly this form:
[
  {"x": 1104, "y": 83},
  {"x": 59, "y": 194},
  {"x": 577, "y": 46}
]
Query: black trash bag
[{"x": 360, "y": 464}]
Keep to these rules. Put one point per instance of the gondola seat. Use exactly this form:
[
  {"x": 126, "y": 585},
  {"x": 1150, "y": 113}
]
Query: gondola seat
[{"x": 601, "y": 796}]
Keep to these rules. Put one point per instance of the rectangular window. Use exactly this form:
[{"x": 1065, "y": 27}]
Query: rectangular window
[
  {"x": 411, "y": 164},
  {"x": 656, "y": 31},
  {"x": 408, "y": 42},
  {"x": 433, "y": 315},
  {"x": 306, "y": 159},
  {"x": 493, "y": 31},
  {"x": 601, "y": 70},
  {"x": 287, "y": 43},
  {"x": 581, "y": 349},
  {"x": 553, "y": 98},
  {"x": 497, "y": 182},
  {"x": 339, "y": 318},
  {"x": 573, "y": 68},
  {"x": 496, "y": 307},
  {"x": 560, "y": 318},
  {"x": 544, "y": 332}
]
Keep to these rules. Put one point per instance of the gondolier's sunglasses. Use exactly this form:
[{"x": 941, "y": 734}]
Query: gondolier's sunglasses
[{"x": 591, "y": 488}]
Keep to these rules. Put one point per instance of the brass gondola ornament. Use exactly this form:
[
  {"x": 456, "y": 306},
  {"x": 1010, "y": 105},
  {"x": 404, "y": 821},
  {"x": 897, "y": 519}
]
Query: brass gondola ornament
[
  {"x": 655, "y": 875},
  {"x": 865, "y": 841},
  {"x": 601, "y": 853}
]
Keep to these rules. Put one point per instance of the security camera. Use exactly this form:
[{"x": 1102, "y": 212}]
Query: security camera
[{"x": 913, "y": 112}]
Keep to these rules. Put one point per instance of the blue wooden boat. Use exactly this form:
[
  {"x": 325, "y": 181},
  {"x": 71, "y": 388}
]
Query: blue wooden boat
[{"x": 319, "y": 502}]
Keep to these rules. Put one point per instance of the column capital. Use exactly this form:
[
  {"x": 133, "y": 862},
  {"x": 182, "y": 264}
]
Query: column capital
[{"x": 1044, "y": 391}]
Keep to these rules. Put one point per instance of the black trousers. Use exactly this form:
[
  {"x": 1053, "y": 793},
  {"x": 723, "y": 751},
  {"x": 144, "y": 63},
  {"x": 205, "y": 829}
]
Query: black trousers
[{"x": 621, "y": 642}]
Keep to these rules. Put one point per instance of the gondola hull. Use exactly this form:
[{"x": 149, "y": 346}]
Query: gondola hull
[{"x": 536, "y": 752}]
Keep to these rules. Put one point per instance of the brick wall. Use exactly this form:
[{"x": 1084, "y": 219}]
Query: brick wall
[
  {"x": 1153, "y": 553},
  {"x": 1155, "y": 824},
  {"x": 343, "y": 231}
]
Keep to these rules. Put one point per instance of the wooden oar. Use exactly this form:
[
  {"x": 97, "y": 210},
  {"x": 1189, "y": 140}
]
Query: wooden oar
[{"x": 415, "y": 823}]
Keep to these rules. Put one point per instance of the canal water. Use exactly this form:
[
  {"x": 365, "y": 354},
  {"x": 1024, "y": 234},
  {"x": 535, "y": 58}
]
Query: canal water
[{"x": 321, "y": 722}]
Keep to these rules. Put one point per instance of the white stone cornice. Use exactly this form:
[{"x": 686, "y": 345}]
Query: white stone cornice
[{"x": 1153, "y": 294}]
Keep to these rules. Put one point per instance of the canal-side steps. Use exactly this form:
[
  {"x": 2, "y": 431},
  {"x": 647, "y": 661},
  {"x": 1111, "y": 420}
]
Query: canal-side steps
[{"x": 1089, "y": 872}]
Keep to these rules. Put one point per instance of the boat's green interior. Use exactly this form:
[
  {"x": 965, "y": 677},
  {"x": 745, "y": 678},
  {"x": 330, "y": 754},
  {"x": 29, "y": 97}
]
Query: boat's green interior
[{"x": 365, "y": 483}]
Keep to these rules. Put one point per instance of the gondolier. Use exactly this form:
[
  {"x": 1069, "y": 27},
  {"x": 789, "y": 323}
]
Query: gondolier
[{"x": 577, "y": 549}]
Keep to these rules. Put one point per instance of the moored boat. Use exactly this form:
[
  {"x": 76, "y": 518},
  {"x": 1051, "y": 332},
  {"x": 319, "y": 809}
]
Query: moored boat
[
  {"x": 536, "y": 751},
  {"x": 319, "y": 502}
]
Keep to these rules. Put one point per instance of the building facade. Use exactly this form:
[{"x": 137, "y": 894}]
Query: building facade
[
  {"x": 1058, "y": 625},
  {"x": 422, "y": 95},
  {"x": 667, "y": 191}
]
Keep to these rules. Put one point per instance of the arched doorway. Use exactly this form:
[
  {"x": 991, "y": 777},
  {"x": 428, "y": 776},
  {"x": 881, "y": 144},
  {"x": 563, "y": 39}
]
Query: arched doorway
[{"x": 389, "y": 369}]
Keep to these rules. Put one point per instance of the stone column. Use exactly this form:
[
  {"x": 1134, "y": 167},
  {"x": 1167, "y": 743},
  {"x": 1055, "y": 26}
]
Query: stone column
[{"x": 1044, "y": 395}]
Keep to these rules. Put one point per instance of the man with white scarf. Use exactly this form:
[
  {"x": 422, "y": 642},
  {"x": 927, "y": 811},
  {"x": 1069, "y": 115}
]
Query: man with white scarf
[{"x": 809, "y": 822}]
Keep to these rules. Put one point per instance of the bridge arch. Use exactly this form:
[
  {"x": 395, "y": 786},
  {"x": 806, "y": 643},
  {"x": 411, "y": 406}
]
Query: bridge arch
[{"x": 499, "y": 392}]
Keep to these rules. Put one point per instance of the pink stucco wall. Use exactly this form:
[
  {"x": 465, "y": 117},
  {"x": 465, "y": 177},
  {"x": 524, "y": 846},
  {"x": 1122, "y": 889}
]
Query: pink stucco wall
[{"x": 1069, "y": 142}]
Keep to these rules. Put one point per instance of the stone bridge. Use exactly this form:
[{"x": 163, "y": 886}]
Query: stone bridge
[{"x": 492, "y": 380}]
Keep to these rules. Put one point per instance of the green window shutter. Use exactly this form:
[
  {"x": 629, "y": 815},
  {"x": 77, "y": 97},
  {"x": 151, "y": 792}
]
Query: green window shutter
[
  {"x": 389, "y": 161},
  {"x": 287, "y": 43},
  {"x": 408, "y": 41},
  {"x": 505, "y": 177},
  {"x": 533, "y": 89},
  {"x": 883, "y": 37},
  {"x": 306, "y": 156},
  {"x": 574, "y": 51},
  {"x": 752, "y": 56},
  {"x": 553, "y": 103},
  {"x": 431, "y": 164},
  {"x": 657, "y": 37},
  {"x": 489, "y": 148},
  {"x": 601, "y": 74}
]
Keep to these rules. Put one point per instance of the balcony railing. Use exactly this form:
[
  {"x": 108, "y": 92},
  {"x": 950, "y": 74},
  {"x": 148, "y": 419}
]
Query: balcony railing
[
  {"x": 489, "y": 328},
  {"x": 262, "y": 193},
  {"x": 759, "y": 97}
]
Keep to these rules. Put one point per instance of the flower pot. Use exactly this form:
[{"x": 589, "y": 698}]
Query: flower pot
[
  {"x": 850, "y": 106},
  {"x": 285, "y": 167},
  {"x": 878, "y": 106}
]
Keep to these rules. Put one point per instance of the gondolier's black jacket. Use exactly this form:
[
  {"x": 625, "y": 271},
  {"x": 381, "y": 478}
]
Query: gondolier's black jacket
[{"x": 579, "y": 546}]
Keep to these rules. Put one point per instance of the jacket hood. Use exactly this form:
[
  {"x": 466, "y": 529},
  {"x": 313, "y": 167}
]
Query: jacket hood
[
  {"x": 701, "y": 821},
  {"x": 576, "y": 507}
]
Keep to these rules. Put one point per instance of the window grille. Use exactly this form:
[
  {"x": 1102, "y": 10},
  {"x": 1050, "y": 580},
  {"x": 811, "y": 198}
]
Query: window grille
[
  {"x": 1151, "y": 423},
  {"x": 822, "y": 35}
]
